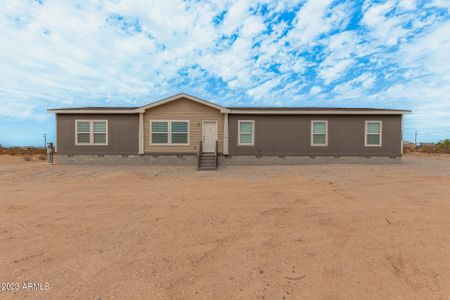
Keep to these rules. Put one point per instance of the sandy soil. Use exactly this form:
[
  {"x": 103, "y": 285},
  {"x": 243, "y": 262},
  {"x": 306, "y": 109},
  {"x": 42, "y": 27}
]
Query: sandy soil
[
  {"x": 297, "y": 232},
  {"x": 442, "y": 156}
]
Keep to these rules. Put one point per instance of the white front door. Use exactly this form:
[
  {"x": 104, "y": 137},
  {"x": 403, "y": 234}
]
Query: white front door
[{"x": 209, "y": 136}]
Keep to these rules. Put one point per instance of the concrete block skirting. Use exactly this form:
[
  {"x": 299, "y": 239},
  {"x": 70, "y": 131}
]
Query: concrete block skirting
[
  {"x": 305, "y": 160},
  {"x": 191, "y": 160},
  {"x": 127, "y": 160}
]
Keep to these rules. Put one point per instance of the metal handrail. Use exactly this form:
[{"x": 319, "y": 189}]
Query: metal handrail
[
  {"x": 199, "y": 155},
  {"x": 216, "y": 150}
]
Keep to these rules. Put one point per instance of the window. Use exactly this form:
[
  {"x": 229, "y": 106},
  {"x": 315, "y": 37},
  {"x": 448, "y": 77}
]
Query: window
[
  {"x": 99, "y": 132},
  {"x": 180, "y": 131},
  {"x": 169, "y": 132},
  {"x": 246, "y": 133},
  {"x": 373, "y": 133},
  {"x": 319, "y": 133},
  {"x": 160, "y": 132},
  {"x": 83, "y": 132},
  {"x": 91, "y": 132}
]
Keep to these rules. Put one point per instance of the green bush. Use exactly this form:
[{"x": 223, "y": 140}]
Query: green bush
[{"x": 444, "y": 146}]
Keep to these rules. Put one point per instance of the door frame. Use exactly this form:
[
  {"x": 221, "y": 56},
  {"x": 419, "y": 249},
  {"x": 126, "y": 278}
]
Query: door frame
[{"x": 203, "y": 128}]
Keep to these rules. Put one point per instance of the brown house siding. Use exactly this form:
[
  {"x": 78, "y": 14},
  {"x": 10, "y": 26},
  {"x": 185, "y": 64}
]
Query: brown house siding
[
  {"x": 182, "y": 109},
  {"x": 122, "y": 134},
  {"x": 291, "y": 135}
]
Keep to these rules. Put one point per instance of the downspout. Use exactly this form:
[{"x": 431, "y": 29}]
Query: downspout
[
  {"x": 141, "y": 133},
  {"x": 225, "y": 134}
]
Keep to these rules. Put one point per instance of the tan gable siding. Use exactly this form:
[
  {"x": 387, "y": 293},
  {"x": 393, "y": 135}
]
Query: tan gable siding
[{"x": 182, "y": 109}]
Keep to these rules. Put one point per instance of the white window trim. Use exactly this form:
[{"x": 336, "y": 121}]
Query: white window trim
[
  {"x": 312, "y": 133},
  {"x": 239, "y": 132},
  {"x": 380, "y": 134},
  {"x": 91, "y": 133},
  {"x": 169, "y": 133}
]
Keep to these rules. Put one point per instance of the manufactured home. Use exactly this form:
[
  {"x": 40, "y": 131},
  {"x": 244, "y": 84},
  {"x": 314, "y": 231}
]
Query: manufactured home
[{"x": 186, "y": 130}]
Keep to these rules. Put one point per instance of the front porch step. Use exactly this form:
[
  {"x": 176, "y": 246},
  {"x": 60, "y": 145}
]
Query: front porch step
[
  {"x": 207, "y": 169},
  {"x": 207, "y": 162}
]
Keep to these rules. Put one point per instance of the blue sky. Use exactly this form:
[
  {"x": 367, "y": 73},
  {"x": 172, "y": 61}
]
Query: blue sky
[{"x": 393, "y": 54}]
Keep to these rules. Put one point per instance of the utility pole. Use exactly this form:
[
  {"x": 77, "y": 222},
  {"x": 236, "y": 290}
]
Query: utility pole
[
  {"x": 45, "y": 140},
  {"x": 415, "y": 137}
]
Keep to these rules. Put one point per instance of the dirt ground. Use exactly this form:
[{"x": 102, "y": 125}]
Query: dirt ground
[{"x": 278, "y": 232}]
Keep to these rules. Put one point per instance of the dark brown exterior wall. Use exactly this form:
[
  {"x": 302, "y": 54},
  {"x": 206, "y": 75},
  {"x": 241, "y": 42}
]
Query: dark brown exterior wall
[
  {"x": 291, "y": 135},
  {"x": 123, "y": 130}
]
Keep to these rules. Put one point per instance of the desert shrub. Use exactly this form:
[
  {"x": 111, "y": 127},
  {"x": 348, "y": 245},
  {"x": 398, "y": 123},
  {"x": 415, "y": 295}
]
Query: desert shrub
[
  {"x": 444, "y": 146},
  {"x": 409, "y": 147},
  {"x": 27, "y": 157},
  {"x": 428, "y": 149},
  {"x": 23, "y": 150},
  {"x": 440, "y": 147},
  {"x": 42, "y": 157}
]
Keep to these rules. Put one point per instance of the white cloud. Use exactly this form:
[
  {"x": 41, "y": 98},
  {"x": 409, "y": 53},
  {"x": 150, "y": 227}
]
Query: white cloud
[
  {"x": 14, "y": 110},
  {"x": 407, "y": 4},
  {"x": 341, "y": 50},
  {"x": 429, "y": 53},
  {"x": 383, "y": 29},
  {"x": 261, "y": 91},
  {"x": 252, "y": 26},
  {"x": 355, "y": 88},
  {"x": 235, "y": 16},
  {"x": 441, "y": 4},
  {"x": 296, "y": 53},
  {"x": 330, "y": 72},
  {"x": 427, "y": 89},
  {"x": 310, "y": 22},
  {"x": 315, "y": 90}
]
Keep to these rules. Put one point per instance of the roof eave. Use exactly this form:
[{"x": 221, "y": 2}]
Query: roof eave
[
  {"x": 319, "y": 112},
  {"x": 93, "y": 111},
  {"x": 222, "y": 109}
]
